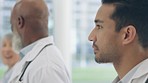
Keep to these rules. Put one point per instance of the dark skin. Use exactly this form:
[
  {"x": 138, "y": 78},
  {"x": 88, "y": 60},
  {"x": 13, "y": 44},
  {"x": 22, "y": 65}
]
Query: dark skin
[{"x": 29, "y": 19}]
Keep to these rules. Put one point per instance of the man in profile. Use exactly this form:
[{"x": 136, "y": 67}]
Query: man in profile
[
  {"x": 121, "y": 37},
  {"x": 42, "y": 61}
]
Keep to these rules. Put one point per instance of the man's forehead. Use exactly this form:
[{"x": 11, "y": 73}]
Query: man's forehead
[
  {"x": 17, "y": 1},
  {"x": 105, "y": 10}
]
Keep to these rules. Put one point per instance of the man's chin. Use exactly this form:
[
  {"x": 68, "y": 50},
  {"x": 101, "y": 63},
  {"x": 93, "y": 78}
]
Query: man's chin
[{"x": 100, "y": 60}]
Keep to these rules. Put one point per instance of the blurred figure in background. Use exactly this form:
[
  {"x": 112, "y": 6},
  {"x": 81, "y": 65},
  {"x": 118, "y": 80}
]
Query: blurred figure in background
[{"x": 8, "y": 55}]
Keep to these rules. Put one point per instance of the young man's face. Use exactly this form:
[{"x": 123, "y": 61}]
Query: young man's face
[{"x": 106, "y": 41}]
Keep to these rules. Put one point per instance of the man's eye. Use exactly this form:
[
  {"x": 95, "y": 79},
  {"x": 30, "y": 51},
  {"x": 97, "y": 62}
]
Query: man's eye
[{"x": 99, "y": 26}]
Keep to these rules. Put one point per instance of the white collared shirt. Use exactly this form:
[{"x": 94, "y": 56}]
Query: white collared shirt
[{"x": 138, "y": 74}]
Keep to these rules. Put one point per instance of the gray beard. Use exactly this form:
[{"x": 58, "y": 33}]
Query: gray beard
[{"x": 17, "y": 44}]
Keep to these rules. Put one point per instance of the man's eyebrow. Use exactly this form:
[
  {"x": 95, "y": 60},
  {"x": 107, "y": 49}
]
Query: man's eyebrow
[{"x": 98, "y": 21}]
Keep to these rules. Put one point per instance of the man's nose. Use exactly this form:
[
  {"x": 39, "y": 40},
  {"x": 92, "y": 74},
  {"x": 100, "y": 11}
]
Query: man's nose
[{"x": 91, "y": 36}]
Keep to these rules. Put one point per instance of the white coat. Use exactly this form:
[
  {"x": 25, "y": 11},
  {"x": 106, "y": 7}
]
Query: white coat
[{"x": 47, "y": 65}]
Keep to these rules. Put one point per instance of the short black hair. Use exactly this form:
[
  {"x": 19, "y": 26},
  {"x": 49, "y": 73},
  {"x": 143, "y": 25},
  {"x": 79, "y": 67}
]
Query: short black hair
[{"x": 131, "y": 12}]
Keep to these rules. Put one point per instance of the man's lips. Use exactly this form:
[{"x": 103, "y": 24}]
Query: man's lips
[
  {"x": 94, "y": 46},
  {"x": 95, "y": 49}
]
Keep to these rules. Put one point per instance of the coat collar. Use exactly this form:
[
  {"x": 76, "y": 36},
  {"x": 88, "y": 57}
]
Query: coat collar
[
  {"x": 30, "y": 56},
  {"x": 36, "y": 49}
]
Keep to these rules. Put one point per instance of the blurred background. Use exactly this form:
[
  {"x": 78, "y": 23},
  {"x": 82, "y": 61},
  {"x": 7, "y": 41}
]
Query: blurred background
[{"x": 70, "y": 22}]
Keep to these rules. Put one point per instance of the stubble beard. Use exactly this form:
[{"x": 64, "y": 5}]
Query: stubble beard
[{"x": 108, "y": 57}]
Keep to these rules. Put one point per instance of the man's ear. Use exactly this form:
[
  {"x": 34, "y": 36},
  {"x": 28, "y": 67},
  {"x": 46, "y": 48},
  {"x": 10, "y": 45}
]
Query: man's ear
[
  {"x": 129, "y": 34},
  {"x": 21, "y": 22}
]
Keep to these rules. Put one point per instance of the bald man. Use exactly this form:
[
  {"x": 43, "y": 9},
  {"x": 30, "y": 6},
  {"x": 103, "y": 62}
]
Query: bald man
[{"x": 42, "y": 62}]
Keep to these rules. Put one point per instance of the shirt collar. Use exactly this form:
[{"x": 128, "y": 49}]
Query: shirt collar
[
  {"x": 128, "y": 77},
  {"x": 116, "y": 80},
  {"x": 134, "y": 73},
  {"x": 26, "y": 49},
  {"x": 143, "y": 69}
]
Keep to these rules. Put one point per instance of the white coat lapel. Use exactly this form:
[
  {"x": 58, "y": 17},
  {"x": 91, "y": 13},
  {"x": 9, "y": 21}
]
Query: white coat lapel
[
  {"x": 29, "y": 57},
  {"x": 38, "y": 47},
  {"x": 16, "y": 71}
]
